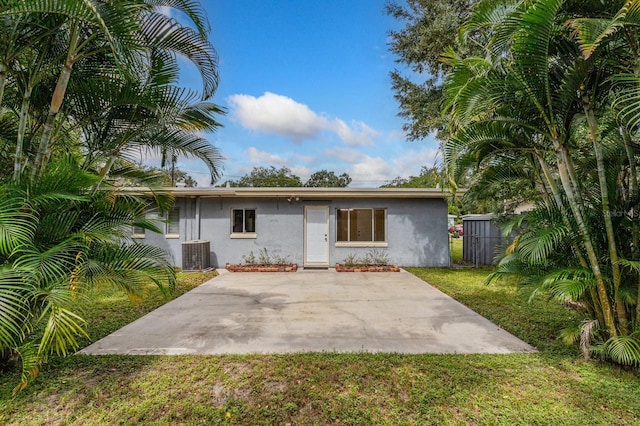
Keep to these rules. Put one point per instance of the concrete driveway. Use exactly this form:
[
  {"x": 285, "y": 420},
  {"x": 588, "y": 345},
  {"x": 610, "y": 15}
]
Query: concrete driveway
[{"x": 238, "y": 313}]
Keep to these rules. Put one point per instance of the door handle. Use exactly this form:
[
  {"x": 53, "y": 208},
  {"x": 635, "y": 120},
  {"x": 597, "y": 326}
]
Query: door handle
[{"x": 325, "y": 237}]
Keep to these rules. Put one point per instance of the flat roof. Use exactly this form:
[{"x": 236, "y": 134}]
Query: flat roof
[
  {"x": 487, "y": 216},
  {"x": 301, "y": 193}
]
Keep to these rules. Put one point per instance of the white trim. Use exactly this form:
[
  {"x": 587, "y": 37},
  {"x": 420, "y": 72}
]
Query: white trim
[
  {"x": 304, "y": 193},
  {"x": 362, "y": 244},
  {"x": 171, "y": 236},
  {"x": 243, "y": 235}
]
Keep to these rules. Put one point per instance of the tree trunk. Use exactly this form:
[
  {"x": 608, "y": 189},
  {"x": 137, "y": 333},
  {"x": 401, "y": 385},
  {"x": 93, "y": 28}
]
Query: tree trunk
[
  {"x": 24, "y": 115},
  {"x": 621, "y": 310},
  {"x": 105, "y": 170},
  {"x": 558, "y": 199},
  {"x": 44, "y": 150},
  {"x": 3, "y": 80},
  {"x": 635, "y": 222},
  {"x": 603, "y": 296}
]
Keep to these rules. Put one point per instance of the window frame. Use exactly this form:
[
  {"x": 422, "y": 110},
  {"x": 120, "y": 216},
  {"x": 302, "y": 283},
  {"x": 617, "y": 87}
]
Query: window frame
[
  {"x": 244, "y": 234},
  {"x": 150, "y": 215},
  {"x": 169, "y": 222},
  {"x": 372, "y": 242},
  {"x": 136, "y": 234}
]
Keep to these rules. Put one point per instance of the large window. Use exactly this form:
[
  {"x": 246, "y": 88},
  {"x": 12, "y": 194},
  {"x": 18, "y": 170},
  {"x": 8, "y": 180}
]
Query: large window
[
  {"x": 172, "y": 228},
  {"x": 361, "y": 225},
  {"x": 243, "y": 221}
]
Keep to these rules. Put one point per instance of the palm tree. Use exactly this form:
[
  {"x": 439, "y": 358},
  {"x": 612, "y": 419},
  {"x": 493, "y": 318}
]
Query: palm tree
[
  {"x": 119, "y": 118},
  {"x": 544, "y": 89},
  {"x": 56, "y": 242},
  {"x": 88, "y": 83},
  {"x": 122, "y": 33}
]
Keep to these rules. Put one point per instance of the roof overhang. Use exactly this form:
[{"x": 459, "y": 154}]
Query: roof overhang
[{"x": 300, "y": 193}]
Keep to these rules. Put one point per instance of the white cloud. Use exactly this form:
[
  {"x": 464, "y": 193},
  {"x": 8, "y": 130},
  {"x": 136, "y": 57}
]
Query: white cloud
[
  {"x": 359, "y": 134},
  {"x": 344, "y": 154},
  {"x": 257, "y": 157},
  {"x": 410, "y": 162},
  {"x": 280, "y": 115},
  {"x": 265, "y": 159},
  {"x": 397, "y": 135},
  {"x": 371, "y": 171}
]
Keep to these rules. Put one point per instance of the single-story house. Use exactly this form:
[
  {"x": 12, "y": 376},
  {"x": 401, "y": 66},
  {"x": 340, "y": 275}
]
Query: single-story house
[{"x": 313, "y": 227}]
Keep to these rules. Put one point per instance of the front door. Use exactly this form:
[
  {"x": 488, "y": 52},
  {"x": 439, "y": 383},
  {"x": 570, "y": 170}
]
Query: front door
[{"x": 316, "y": 236}]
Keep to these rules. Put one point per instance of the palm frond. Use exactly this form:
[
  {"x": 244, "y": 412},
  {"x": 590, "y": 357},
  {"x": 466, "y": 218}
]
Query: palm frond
[
  {"x": 192, "y": 9},
  {"x": 14, "y": 307},
  {"x": 61, "y": 331},
  {"x": 591, "y": 32},
  {"x": 30, "y": 365},
  {"x": 537, "y": 245},
  {"x": 17, "y": 225},
  {"x": 165, "y": 33},
  {"x": 624, "y": 350}
]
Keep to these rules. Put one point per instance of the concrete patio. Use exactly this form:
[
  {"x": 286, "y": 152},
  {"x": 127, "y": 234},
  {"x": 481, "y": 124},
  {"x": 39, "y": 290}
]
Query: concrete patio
[{"x": 310, "y": 310}]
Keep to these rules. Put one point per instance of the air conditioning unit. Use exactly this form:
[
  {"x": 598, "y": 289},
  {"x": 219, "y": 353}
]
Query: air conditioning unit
[{"x": 195, "y": 255}]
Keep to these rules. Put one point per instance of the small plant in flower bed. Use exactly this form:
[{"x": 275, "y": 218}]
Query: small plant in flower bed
[
  {"x": 374, "y": 261},
  {"x": 265, "y": 262}
]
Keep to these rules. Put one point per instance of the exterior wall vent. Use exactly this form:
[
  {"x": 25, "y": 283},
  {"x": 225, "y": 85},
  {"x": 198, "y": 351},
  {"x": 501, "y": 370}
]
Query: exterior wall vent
[{"x": 196, "y": 255}]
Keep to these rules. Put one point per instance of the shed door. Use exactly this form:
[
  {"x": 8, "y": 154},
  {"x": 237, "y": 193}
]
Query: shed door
[{"x": 316, "y": 236}]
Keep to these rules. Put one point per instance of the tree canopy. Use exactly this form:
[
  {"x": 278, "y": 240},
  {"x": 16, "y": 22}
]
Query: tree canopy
[
  {"x": 284, "y": 177},
  {"x": 429, "y": 177},
  {"x": 431, "y": 26},
  {"x": 326, "y": 179}
]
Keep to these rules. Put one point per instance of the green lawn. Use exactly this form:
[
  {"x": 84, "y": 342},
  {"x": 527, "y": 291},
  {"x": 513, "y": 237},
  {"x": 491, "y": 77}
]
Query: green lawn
[
  {"x": 456, "y": 249},
  {"x": 553, "y": 386}
]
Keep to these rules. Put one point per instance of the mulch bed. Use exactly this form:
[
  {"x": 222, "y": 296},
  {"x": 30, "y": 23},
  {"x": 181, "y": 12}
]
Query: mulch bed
[
  {"x": 365, "y": 268},
  {"x": 262, "y": 268}
]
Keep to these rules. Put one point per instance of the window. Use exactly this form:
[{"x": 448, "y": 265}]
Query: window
[
  {"x": 149, "y": 217},
  {"x": 172, "y": 228},
  {"x": 137, "y": 232},
  {"x": 361, "y": 225},
  {"x": 243, "y": 221}
]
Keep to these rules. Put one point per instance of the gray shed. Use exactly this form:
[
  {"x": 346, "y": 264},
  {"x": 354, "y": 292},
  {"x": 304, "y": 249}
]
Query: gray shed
[{"x": 481, "y": 239}]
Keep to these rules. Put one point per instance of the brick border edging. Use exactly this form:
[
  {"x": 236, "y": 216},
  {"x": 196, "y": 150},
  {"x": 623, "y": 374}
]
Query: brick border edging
[
  {"x": 384, "y": 268},
  {"x": 251, "y": 268}
]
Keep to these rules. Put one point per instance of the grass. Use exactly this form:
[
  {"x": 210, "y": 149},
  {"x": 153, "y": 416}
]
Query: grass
[
  {"x": 553, "y": 386},
  {"x": 456, "y": 249}
]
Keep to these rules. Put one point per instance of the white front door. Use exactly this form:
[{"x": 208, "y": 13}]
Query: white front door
[{"x": 316, "y": 236}]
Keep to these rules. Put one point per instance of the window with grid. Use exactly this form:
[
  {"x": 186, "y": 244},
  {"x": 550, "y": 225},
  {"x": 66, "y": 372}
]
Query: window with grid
[{"x": 361, "y": 225}]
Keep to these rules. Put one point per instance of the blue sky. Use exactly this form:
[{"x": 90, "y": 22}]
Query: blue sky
[{"x": 306, "y": 85}]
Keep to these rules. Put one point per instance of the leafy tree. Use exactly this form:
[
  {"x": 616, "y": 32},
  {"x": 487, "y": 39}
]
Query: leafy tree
[
  {"x": 431, "y": 26},
  {"x": 429, "y": 177},
  {"x": 548, "y": 102},
  {"x": 268, "y": 177},
  {"x": 153, "y": 176},
  {"x": 326, "y": 179}
]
